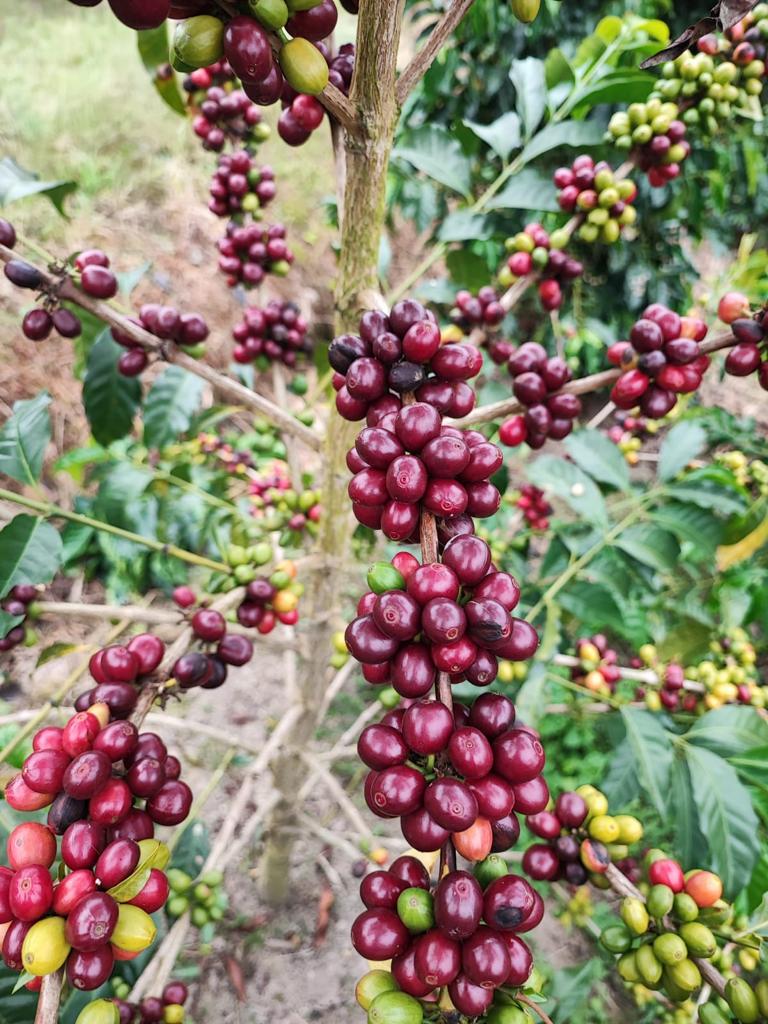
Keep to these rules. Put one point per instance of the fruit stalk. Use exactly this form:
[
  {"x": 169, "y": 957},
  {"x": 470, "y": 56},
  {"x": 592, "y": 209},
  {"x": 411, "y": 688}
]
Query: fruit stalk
[
  {"x": 236, "y": 391},
  {"x": 423, "y": 60},
  {"x": 51, "y": 511}
]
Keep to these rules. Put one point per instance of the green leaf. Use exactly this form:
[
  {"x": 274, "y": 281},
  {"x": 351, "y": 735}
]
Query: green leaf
[
  {"x": 684, "y": 442},
  {"x": 54, "y": 651},
  {"x": 572, "y": 485},
  {"x": 110, "y": 399},
  {"x": 691, "y": 523},
  {"x": 758, "y": 920},
  {"x": 503, "y": 135},
  {"x": 571, "y": 987},
  {"x": 170, "y": 405},
  {"x": 436, "y": 153},
  {"x": 528, "y": 77},
  {"x": 565, "y": 133},
  {"x": 681, "y": 811},
  {"x": 24, "y": 437},
  {"x": 526, "y": 190},
  {"x": 609, "y": 28},
  {"x": 30, "y": 552},
  {"x": 729, "y": 730},
  {"x": 621, "y": 85},
  {"x": 530, "y": 697},
  {"x": 726, "y": 817},
  {"x": 652, "y": 748},
  {"x": 650, "y": 545},
  {"x": 599, "y": 457},
  {"x": 712, "y": 488},
  {"x": 8, "y": 622},
  {"x": 557, "y": 70},
  {"x": 467, "y": 269},
  {"x": 620, "y": 784},
  {"x": 154, "y": 854},
  {"x": 23, "y": 979},
  {"x": 463, "y": 225},
  {"x": 153, "y": 50},
  {"x": 17, "y": 183}
]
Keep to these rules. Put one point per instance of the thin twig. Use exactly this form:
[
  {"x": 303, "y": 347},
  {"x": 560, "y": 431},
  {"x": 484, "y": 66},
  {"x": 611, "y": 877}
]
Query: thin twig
[
  {"x": 438, "y": 37},
  {"x": 535, "y": 1007},
  {"x": 66, "y": 289}
]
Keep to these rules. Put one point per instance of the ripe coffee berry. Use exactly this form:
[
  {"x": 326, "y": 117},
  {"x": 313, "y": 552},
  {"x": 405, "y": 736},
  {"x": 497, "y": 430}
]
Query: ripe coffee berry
[
  {"x": 250, "y": 251},
  {"x": 591, "y": 189},
  {"x": 535, "y": 251},
  {"x": 277, "y": 333},
  {"x": 537, "y": 384}
]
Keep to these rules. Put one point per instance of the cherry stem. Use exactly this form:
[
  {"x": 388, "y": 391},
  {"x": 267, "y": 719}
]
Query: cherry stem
[{"x": 535, "y": 1007}]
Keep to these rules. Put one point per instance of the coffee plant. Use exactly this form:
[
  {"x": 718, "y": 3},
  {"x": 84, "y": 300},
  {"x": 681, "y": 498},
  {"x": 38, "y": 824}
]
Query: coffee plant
[{"x": 557, "y": 659}]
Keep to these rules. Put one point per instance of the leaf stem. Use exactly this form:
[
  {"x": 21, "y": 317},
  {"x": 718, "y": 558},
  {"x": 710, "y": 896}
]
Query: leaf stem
[{"x": 51, "y": 511}]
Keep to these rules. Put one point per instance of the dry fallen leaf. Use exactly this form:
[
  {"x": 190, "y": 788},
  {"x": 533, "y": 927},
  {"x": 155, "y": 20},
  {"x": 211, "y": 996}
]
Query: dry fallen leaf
[
  {"x": 235, "y": 972},
  {"x": 324, "y": 907}
]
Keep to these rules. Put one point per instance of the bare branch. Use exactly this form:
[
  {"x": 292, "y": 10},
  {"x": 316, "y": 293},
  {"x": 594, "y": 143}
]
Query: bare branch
[
  {"x": 423, "y": 60},
  {"x": 227, "y": 386}
]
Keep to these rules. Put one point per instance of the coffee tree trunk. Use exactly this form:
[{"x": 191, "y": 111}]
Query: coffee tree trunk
[{"x": 366, "y": 156}]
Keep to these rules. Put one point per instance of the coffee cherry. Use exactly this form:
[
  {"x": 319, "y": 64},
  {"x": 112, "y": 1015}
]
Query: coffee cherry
[{"x": 98, "y": 281}]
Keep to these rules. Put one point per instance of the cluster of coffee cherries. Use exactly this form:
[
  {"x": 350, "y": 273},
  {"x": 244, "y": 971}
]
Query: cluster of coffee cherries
[
  {"x": 240, "y": 185},
  {"x": 537, "y": 383},
  {"x": 409, "y": 460},
  {"x": 663, "y": 937},
  {"x": 535, "y": 251},
  {"x": 106, "y": 786},
  {"x": 462, "y": 935},
  {"x": 749, "y": 473},
  {"x": 597, "y": 670},
  {"x": 167, "y": 1008},
  {"x": 399, "y": 353},
  {"x": 661, "y": 360},
  {"x": 276, "y": 333},
  {"x": 119, "y": 672},
  {"x": 710, "y": 87},
  {"x": 750, "y": 353},
  {"x": 248, "y": 252},
  {"x": 278, "y": 506},
  {"x": 655, "y": 134},
  {"x": 267, "y": 601},
  {"x": 581, "y": 838},
  {"x": 453, "y": 616},
  {"x": 49, "y": 316},
  {"x": 481, "y": 310},
  {"x": 187, "y": 330},
  {"x": 302, "y": 113},
  {"x": 469, "y": 772},
  {"x": 204, "y": 897},
  {"x": 17, "y": 604},
  {"x": 222, "y": 112},
  {"x": 591, "y": 189},
  {"x": 533, "y": 503},
  {"x": 628, "y": 433},
  {"x": 208, "y": 666}
]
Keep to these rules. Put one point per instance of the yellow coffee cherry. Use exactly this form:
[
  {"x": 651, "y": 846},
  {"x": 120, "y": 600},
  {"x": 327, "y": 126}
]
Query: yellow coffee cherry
[
  {"x": 604, "y": 828},
  {"x": 630, "y": 828}
]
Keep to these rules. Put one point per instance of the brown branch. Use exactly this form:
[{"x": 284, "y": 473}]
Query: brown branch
[
  {"x": 581, "y": 386},
  {"x": 422, "y": 62},
  {"x": 535, "y": 1007},
  {"x": 227, "y": 386}
]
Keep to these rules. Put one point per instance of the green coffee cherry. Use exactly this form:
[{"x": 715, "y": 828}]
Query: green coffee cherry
[
  {"x": 395, "y": 1008},
  {"x": 415, "y": 910},
  {"x": 372, "y": 985},
  {"x": 100, "y": 1011},
  {"x": 648, "y": 967},
  {"x": 742, "y": 1000},
  {"x": 271, "y": 13},
  {"x": 488, "y": 870},
  {"x": 303, "y": 66},
  {"x": 627, "y": 968},
  {"x": 684, "y": 975},
  {"x": 383, "y": 576},
  {"x": 634, "y": 915},
  {"x": 684, "y": 907},
  {"x": 660, "y": 901},
  {"x": 617, "y": 938},
  {"x": 669, "y": 948},
  {"x": 698, "y": 939},
  {"x": 198, "y": 42},
  {"x": 710, "y": 1014}
]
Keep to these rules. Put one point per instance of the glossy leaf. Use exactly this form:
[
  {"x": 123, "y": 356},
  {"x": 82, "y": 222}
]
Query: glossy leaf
[
  {"x": 503, "y": 135},
  {"x": 565, "y": 133},
  {"x": 154, "y": 854},
  {"x": 652, "y": 749},
  {"x": 30, "y": 552},
  {"x": 726, "y": 817},
  {"x": 24, "y": 437},
  {"x": 110, "y": 399},
  {"x": 436, "y": 153},
  {"x": 527, "y": 76},
  {"x": 170, "y": 405},
  {"x": 599, "y": 457},
  {"x": 620, "y": 784},
  {"x": 650, "y": 545},
  {"x": 153, "y": 50},
  {"x": 17, "y": 183},
  {"x": 8, "y": 622},
  {"x": 526, "y": 190},
  {"x": 683, "y": 443},
  {"x": 730, "y": 730},
  {"x": 572, "y": 485}
]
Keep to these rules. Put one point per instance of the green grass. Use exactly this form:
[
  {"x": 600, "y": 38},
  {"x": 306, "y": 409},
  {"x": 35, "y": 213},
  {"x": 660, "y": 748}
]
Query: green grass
[{"x": 78, "y": 104}]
